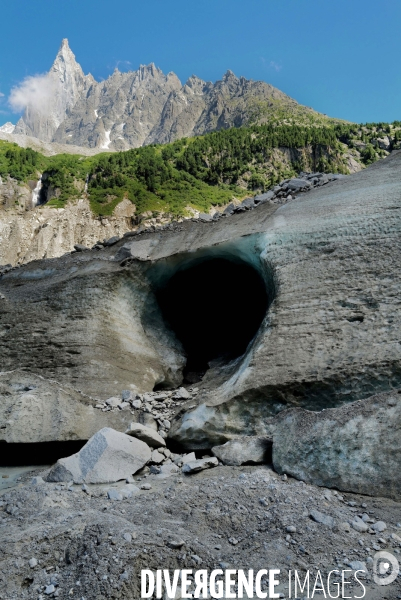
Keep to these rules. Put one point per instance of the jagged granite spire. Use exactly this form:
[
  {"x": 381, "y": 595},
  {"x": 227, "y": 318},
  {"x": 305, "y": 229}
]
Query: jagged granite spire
[{"x": 57, "y": 92}]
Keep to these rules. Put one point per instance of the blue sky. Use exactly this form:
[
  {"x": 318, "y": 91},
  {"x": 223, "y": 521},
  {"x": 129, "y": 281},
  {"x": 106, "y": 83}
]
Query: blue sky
[{"x": 341, "y": 57}]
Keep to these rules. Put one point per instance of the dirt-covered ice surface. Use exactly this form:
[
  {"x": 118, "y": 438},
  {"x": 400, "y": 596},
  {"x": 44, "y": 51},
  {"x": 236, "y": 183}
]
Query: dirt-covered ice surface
[{"x": 63, "y": 541}]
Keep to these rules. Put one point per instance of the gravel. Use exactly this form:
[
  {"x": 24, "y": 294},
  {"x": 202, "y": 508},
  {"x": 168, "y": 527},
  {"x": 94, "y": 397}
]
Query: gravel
[{"x": 175, "y": 521}]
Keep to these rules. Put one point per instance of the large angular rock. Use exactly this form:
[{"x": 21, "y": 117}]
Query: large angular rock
[
  {"x": 299, "y": 184},
  {"x": 139, "y": 249},
  {"x": 355, "y": 448},
  {"x": 146, "y": 434},
  {"x": 107, "y": 457},
  {"x": 34, "y": 409},
  {"x": 264, "y": 197},
  {"x": 230, "y": 209},
  {"x": 248, "y": 203},
  {"x": 246, "y": 450}
]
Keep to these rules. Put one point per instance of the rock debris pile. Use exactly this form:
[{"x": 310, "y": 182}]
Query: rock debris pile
[
  {"x": 61, "y": 539},
  {"x": 156, "y": 409}
]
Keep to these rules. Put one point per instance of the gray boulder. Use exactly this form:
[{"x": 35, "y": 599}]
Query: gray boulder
[
  {"x": 379, "y": 526},
  {"x": 321, "y": 518},
  {"x": 359, "y": 525},
  {"x": 114, "y": 494},
  {"x": 229, "y": 210},
  {"x": 264, "y": 197},
  {"x": 130, "y": 490},
  {"x": 107, "y": 457},
  {"x": 146, "y": 434},
  {"x": 299, "y": 184},
  {"x": 157, "y": 457},
  {"x": 199, "y": 465},
  {"x": 111, "y": 241},
  {"x": 181, "y": 460},
  {"x": 351, "y": 448},
  {"x": 205, "y": 217},
  {"x": 181, "y": 394},
  {"x": 357, "y": 565},
  {"x": 168, "y": 469},
  {"x": 248, "y": 203},
  {"x": 246, "y": 450}
]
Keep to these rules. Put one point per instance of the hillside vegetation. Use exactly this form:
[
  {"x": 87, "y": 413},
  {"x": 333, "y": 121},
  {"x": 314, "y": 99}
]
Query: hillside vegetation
[{"x": 202, "y": 171}]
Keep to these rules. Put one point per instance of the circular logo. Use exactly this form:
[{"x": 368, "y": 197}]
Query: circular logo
[{"x": 385, "y": 568}]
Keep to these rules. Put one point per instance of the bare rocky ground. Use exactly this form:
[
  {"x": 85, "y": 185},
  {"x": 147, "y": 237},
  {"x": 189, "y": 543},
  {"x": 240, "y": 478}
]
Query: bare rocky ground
[{"x": 65, "y": 541}]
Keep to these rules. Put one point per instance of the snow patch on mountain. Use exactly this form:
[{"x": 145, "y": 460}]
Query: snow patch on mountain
[
  {"x": 107, "y": 141},
  {"x": 7, "y": 127}
]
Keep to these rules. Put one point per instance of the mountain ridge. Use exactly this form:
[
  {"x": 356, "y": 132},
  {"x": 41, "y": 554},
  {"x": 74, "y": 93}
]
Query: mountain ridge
[{"x": 145, "y": 106}]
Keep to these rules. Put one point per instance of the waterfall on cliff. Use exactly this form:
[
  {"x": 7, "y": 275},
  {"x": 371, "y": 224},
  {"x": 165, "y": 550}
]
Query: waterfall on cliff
[{"x": 36, "y": 192}]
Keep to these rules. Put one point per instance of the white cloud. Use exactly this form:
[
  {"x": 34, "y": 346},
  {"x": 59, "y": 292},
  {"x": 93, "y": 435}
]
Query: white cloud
[
  {"x": 1, "y": 95},
  {"x": 123, "y": 62},
  {"x": 34, "y": 92},
  {"x": 275, "y": 66},
  {"x": 270, "y": 64}
]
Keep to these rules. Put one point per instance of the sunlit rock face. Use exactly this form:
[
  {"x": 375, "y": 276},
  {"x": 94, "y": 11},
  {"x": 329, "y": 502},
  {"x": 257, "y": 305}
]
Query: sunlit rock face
[
  {"x": 57, "y": 92},
  {"x": 135, "y": 108},
  {"x": 27, "y": 234},
  {"x": 329, "y": 334}
]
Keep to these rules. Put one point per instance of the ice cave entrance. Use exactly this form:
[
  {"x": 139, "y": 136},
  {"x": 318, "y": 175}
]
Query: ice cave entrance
[{"x": 215, "y": 307}]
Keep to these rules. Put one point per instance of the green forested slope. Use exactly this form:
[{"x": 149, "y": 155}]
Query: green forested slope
[{"x": 201, "y": 171}]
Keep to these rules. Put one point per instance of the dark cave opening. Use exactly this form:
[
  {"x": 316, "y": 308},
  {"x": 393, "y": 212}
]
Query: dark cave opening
[
  {"x": 215, "y": 308},
  {"x": 40, "y": 453}
]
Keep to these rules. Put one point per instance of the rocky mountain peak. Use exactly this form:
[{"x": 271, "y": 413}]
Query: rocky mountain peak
[
  {"x": 149, "y": 70},
  {"x": 139, "y": 107},
  {"x": 65, "y": 61},
  {"x": 194, "y": 80},
  {"x": 63, "y": 85},
  {"x": 195, "y": 85},
  {"x": 229, "y": 76}
]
